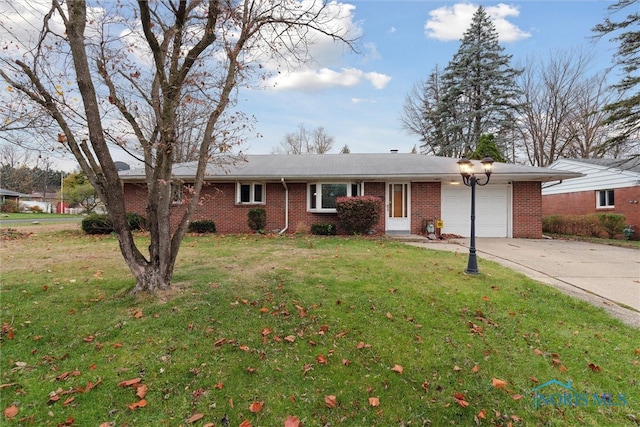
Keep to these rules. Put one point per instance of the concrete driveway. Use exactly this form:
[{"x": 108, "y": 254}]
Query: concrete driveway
[{"x": 606, "y": 276}]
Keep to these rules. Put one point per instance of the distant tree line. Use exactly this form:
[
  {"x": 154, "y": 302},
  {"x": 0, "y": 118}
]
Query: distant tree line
[{"x": 19, "y": 172}]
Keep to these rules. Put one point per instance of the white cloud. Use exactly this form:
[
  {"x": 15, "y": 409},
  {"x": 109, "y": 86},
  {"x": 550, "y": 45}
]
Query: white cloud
[
  {"x": 361, "y": 100},
  {"x": 392, "y": 30},
  {"x": 379, "y": 81},
  {"x": 450, "y": 22},
  {"x": 311, "y": 80}
]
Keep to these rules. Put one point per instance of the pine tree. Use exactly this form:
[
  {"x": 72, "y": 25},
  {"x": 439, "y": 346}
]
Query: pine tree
[
  {"x": 626, "y": 112},
  {"x": 480, "y": 88}
]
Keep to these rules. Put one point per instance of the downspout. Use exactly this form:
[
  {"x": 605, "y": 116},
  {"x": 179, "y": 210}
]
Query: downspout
[
  {"x": 286, "y": 207},
  {"x": 552, "y": 185}
]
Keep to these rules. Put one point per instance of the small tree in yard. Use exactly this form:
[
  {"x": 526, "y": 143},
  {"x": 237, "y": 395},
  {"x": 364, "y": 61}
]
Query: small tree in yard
[
  {"x": 127, "y": 73},
  {"x": 358, "y": 215}
]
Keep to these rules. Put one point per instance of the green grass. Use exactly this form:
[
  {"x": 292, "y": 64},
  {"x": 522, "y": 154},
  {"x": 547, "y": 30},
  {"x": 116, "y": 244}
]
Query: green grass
[{"x": 290, "y": 321}]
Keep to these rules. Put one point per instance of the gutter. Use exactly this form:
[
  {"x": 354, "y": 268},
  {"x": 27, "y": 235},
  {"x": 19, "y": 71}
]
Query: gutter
[
  {"x": 286, "y": 207},
  {"x": 552, "y": 185}
]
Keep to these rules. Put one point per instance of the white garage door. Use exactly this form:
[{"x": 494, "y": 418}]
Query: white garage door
[{"x": 493, "y": 210}]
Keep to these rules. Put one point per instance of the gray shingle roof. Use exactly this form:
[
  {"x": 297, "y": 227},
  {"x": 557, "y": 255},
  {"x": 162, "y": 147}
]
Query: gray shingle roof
[
  {"x": 369, "y": 166},
  {"x": 631, "y": 164}
]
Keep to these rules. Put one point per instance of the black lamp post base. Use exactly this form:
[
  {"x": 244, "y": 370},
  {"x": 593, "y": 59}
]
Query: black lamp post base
[{"x": 472, "y": 265}]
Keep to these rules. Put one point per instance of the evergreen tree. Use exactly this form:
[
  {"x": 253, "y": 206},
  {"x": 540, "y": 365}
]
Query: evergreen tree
[
  {"x": 487, "y": 147},
  {"x": 480, "y": 88},
  {"x": 625, "y": 113}
]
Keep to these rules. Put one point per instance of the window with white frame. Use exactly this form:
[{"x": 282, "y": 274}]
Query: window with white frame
[
  {"x": 250, "y": 193},
  {"x": 323, "y": 195},
  {"x": 605, "y": 199}
]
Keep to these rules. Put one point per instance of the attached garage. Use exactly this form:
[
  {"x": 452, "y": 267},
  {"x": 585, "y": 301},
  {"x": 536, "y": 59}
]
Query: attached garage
[{"x": 493, "y": 210}]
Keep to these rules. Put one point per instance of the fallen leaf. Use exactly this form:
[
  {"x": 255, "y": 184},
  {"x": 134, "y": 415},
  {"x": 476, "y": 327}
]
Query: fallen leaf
[
  {"x": 219, "y": 386},
  {"x": 138, "y": 314},
  {"x": 534, "y": 380},
  {"x": 243, "y": 347},
  {"x": 321, "y": 359},
  {"x": 594, "y": 367},
  {"x": 195, "y": 417},
  {"x": 374, "y": 401},
  {"x": 475, "y": 369},
  {"x": 397, "y": 368},
  {"x": 538, "y": 352},
  {"x": 266, "y": 331},
  {"x": 330, "y": 401},
  {"x": 256, "y": 407},
  {"x": 498, "y": 383},
  {"x": 389, "y": 316},
  {"x": 90, "y": 338},
  {"x": 290, "y": 338},
  {"x": 457, "y": 368},
  {"x": 141, "y": 391},
  {"x": 292, "y": 421},
  {"x": 127, "y": 383},
  {"x": 482, "y": 414},
  {"x": 462, "y": 402},
  {"x": 245, "y": 423},
  {"x": 11, "y": 411},
  {"x": 69, "y": 400},
  {"x": 516, "y": 397},
  {"x": 139, "y": 404}
]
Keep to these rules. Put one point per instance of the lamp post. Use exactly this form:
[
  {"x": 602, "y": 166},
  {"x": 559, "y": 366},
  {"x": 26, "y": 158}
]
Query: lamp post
[{"x": 468, "y": 177}]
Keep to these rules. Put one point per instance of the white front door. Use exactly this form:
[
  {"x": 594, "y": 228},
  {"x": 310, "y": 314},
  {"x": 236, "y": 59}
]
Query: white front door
[{"x": 398, "y": 211}]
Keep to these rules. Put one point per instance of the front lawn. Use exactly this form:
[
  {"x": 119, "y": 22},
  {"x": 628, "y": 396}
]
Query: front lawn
[{"x": 272, "y": 331}]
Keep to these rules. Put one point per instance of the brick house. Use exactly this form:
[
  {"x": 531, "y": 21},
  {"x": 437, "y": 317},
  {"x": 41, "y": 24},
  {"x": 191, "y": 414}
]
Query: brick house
[
  {"x": 607, "y": 185},
  {"x": 298, "y": 191}
]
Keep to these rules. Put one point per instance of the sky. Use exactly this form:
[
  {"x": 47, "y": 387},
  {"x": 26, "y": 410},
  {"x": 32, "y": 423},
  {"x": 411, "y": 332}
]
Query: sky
[
  {"x": 358, "y": 97},
  {"x": 402, "y": 42}
]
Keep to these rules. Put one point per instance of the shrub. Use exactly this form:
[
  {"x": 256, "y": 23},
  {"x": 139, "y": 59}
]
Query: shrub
[
  {"x": 97, "y": 224},
  {"x": 613, "y": 224},
  {"x": 10, "y": 206},
  {"x": 257, "y": 219},
  {"x": 202, "y": 226},
  {"x": 101, "y": 224},
  {"x": 358, "y": 215},
  {"x": 136, "y": 221},
  {"x": 323, "y": 229}
]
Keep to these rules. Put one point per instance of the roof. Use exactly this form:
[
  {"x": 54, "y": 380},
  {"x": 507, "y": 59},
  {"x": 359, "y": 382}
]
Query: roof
[
  {"x": 631, "y": 164},
  {"x": 353, "y": 167},
  {"x": 10, "y": 193}
]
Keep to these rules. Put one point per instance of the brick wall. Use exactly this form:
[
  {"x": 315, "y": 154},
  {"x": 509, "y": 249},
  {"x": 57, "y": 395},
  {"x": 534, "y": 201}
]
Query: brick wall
[
  {"x": 425, "y": 204},
  {"x": 218, "y": 204},
  {"x": 527, "y": 210},
  {"x": 626, "y": 200}
]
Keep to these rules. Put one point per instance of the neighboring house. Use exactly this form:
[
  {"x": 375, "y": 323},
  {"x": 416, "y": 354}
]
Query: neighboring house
[
  {"x": 608, "y": 185},
  {"x": 298, "y": 191},
  {"x": 10, "y": 196}
]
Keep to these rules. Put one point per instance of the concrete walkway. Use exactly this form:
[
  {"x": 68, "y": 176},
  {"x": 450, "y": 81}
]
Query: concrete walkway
[{"x": 605, "y": 276}]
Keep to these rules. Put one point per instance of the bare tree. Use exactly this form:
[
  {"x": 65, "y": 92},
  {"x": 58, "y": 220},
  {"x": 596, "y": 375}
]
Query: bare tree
[
  {"x": 92, "y": 70},
  {"x": 550, "y": 95},
  {"x": 305, "y": 141}
]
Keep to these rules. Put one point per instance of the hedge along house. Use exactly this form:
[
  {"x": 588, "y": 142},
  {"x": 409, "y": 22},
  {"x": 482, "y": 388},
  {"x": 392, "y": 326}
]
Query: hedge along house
[
  {"x": 298, "y": 191},
  {"x": 607, "y": 186}
]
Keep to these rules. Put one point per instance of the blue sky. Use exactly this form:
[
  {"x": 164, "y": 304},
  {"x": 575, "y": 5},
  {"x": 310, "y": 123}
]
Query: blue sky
[
  {"x": 358, "y": 98},
  {"x": 402, "y": 42}
]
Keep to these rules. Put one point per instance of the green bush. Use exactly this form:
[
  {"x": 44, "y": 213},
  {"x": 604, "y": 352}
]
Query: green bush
[
  {"x": 613, "y": 224},
  {"x": 101, "y": 224},
  {"x": 202, "y": 226},
  {"x": 136, "y": 221},
  {"x": 323, "y": 229},
  {"x": 97, "y": 224},
  {"x": 257, "y": 219},
  {"x": 358, "y": 215}
]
